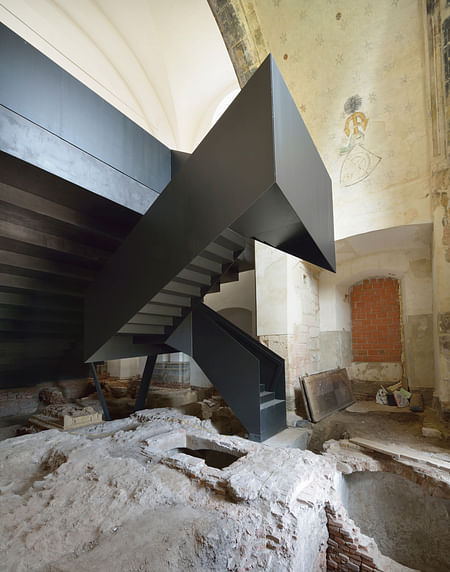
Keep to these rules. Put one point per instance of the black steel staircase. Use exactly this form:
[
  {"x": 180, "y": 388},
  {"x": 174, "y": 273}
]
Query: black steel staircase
[
  {"x": 256, "y": 175},
  {"x": 247, "y": 374},
  {"x": 164, "y": 310}
]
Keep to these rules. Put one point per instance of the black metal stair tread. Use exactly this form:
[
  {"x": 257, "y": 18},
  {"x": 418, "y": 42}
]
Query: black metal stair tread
[
  {"x": 218, "y": 253},
  {"x": 191, "y": 276},
  {"x": 271, "y": 403},
  {"x": 265, "y": 396},
  {"x": 141, "y": 329},
  {"x": 177, "y": 287},
  {"x": 151, "y": 320},
  {"x": 205, "y": 265},
  {"x": 161, "y": 310},
  {"x": 171, "y": 299},
  {"x": 231, "y": 239}
]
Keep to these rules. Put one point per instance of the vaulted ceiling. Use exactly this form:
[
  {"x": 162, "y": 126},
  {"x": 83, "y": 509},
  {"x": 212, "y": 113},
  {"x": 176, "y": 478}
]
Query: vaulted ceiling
[{"x": 162, "y": 63}]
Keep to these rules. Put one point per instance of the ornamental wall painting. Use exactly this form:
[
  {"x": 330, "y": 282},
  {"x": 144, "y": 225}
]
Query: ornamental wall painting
[{"x": 359, "y": 162}]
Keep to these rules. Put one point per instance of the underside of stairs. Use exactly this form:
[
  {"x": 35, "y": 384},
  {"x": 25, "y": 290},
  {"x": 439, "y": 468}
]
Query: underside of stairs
[
  {"x": 256, "y": 175},
  {"x": 165, "y": 310}
]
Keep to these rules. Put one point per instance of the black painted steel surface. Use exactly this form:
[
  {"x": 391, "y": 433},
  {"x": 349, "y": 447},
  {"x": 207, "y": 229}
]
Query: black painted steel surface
[
  {"x": 256, "y": 175},
  {"x": 26, "y": 141},
  {"x": 36, "y": 88},
  {"x": 54, "y": 237},
  {"x": 245, "y": 175},
  {"x": 239, "y": 367}
]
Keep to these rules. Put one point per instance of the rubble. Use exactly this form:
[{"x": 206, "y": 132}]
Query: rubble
[
  {"x": 127, "y": 495},
  {"x": 65, "y": 416}
]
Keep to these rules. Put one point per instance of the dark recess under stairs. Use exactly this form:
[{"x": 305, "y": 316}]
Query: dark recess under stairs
[{"x": 256, "y": 175}]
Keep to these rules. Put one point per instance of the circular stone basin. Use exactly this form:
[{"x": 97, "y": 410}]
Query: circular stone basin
[{"x": 409, "y": 525}]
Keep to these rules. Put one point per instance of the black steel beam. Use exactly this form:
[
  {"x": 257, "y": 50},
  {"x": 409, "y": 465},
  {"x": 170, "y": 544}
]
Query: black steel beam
[
  {"x": 236, "y": 177},
  {"x": 33, "y": 207},
  {"x": 44, "y": 266},
  {"x": 49, "y": 242},
  {"x": 36, "y": 88},
  {"x": 33, "y": 284},
  {"x": 98, "y": 387},
  {"x": 33, "y": 314},
  {"x": 40, "y": 301},
  {"x": 94, "y": 212},
  {"x": 141, "y": 397}
]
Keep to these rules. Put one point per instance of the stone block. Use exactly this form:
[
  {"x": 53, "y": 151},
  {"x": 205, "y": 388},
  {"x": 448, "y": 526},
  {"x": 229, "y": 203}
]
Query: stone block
[
  {"x": 291, "y": 437},
  {"x": 431, "y": 432}
]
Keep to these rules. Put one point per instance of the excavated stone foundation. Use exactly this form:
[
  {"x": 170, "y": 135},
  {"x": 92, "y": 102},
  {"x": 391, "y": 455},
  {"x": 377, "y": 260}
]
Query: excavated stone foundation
[{"x": 161, "y": 491}]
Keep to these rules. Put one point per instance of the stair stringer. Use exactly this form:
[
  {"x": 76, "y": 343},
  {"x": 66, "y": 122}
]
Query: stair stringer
[
  {"x": 256, "y": 173},
  {"x": 232, "y": 364}
]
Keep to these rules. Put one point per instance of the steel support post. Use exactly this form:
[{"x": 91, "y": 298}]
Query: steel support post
[
  {"x": 145, "y": 383},
  {"x": 100, "y": 393}
]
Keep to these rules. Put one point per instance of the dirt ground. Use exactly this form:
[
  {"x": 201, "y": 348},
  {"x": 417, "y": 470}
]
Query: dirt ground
[{"x": 367, "y": 420}]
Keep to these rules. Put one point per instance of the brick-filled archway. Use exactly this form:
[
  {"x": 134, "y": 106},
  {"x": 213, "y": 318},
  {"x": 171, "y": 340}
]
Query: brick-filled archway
[{"x": 376, "y": 334}]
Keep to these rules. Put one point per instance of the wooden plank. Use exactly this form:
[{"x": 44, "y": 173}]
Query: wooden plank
[
  {"x": 403, "y": 452},
  {"x": 327, "y": 392}
]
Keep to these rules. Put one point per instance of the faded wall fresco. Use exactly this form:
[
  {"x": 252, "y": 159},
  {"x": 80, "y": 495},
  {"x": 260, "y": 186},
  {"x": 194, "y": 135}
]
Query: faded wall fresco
[
  {"x": 359, "y": 162},
  {"x": 329, "y": 51}
]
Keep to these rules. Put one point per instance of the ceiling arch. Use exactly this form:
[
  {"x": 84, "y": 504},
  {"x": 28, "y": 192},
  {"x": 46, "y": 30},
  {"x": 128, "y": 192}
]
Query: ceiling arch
[{"x": 163, "y": 64}]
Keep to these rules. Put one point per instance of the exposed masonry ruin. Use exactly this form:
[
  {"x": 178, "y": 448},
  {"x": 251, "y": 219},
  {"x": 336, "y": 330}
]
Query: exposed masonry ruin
[
  {"x": 158, "y": 501},
  {"x": 375, "y": 305}
]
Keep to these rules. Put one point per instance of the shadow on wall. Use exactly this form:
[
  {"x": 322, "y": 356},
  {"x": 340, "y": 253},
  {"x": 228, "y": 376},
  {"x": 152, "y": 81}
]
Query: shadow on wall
[{"x": 240, "y": 317}]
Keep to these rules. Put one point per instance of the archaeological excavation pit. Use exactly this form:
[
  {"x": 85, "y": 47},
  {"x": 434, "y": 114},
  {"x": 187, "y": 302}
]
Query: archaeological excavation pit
[
  {"x": 213, "y": 458},
  {"x": 408, "y": 524}
]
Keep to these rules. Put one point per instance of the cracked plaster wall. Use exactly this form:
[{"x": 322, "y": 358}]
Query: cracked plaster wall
[
  {"x": 327, "y": 54},
  {"x": 413, "y": 269},
  {"x": 287, "y": 299},
  {"x": 438, "y": 46}
]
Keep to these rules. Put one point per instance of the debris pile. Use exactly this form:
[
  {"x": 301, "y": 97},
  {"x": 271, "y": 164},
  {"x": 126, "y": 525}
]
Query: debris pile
[{"x": 395, "y": 395}]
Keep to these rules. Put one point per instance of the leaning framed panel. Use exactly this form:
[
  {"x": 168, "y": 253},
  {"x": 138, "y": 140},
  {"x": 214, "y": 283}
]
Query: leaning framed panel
[{"x": 326, "y": 392}]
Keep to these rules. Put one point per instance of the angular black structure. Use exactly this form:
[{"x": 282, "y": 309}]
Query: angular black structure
[
  {"x": 256, "y": 175},
  {"x": 84, "y": 277}
]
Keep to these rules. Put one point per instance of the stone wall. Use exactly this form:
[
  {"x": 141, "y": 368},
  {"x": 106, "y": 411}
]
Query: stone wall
[
  {"x": 287, "y": 297},
  {"x": 375, "y": 97},
  {"x": 437, "y": 19},
  {"x": 407, "y": 259},
  {"x": 25, "y": 400},
  {"x": 18, "y": 401},
  {"x": 172, "y": 370}
]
